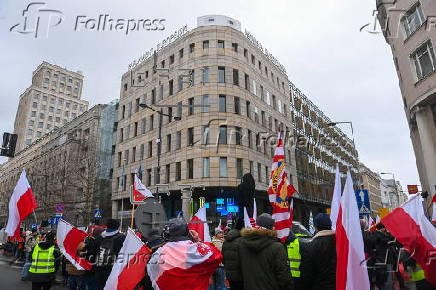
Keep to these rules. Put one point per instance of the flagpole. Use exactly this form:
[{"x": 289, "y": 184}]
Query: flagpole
[
  {"x": 36, "y": 220},
  {"x": 122, "y": 210},
  {"x": 133, "y": 211}
]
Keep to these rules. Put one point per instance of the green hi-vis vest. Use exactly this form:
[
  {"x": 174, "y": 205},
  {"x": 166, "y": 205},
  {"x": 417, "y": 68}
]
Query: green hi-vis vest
[
  {"x": 294, "y": 257},
  {"x": 418, "y": 274},
  {"x": 43, "y": 261}
]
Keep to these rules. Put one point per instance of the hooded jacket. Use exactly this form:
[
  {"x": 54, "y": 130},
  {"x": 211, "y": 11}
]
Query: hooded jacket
[
  {"x": 264, "y": 261},
  {"x": 318, "y": 262},
  {"x": 230, "y": 251}
]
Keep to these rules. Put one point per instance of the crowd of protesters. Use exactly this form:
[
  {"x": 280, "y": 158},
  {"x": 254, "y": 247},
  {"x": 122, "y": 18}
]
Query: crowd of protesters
[{"x": 252, "y": 258}]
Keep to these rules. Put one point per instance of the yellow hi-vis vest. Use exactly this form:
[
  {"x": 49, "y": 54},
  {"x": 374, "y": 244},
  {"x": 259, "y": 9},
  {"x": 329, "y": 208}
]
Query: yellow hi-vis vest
[
  {"x": 418, "y": 274},
  {"x": 43, "y": 261},
  {"x": 294, "y": 258}
]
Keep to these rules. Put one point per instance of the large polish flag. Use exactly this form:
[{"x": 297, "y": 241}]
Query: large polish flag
[
  {"x": 433, "y": 218},
  {"x": 409, "y": 225},
  {"x": 129, "y": 268},
  {"x": 351, "y": 271},
  {"x": 68, "y": 240},
  {"x": 199, "y": 224},
  {"x": 183, "y": 265},
  {"x": 336, "y": 200},
  {"x": 21, "y": 204}
]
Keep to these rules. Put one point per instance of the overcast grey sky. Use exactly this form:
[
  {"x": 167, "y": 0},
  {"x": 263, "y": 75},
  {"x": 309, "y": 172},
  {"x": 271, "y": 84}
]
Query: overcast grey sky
[{"x": 349, "y": 74}]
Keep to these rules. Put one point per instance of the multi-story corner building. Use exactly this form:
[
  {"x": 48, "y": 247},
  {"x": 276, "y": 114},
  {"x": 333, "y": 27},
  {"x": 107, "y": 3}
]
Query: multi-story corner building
[
  {"x": 71, "y": 165},
  {"x": 409, "y": 28},
  {"x": 392, "y": 193},
  {"x": 319, "y": 146},
  {"x": 53, "y": 99},
  {"x": 371, "y": 181},
  {"x": 214, "y": 130}
]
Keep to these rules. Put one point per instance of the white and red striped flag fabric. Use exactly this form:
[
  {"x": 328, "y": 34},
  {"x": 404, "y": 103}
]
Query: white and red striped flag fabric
[
  {"x": 291, "y": 212},
  {"x": 183, "y": 265},
  {"x": 130, "y": 265},
  {"x": 336, "y": 200},
  {"x": 21, "y": 204},
  {"x": 433, "y": 218},
  {"x": 68, "y": 240},
  {"x": 409, "y": 225},
  {"x": 140, "y": 191},
  {"x": 280, "y": 191},
  {"x": 250, "y": 222},
  {"x": 351, "y": 271},
  {"x": 200, "y": 225}
]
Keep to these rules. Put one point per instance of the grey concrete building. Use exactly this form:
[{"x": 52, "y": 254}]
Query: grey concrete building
[
  {"x": 71, "y": 165},
  {"x": 409, "y": 28},
  {"x": 53, "y": 99}
]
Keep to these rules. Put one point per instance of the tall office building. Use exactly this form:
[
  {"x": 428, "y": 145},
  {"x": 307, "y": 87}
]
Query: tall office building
[
  {"x": 409, "y": 27},
  {"x": 53, "y": 99},
  {"x": 224, "y": 98}
]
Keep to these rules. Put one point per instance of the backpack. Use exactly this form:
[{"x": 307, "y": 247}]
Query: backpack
[{"x": 106, "y": 254}]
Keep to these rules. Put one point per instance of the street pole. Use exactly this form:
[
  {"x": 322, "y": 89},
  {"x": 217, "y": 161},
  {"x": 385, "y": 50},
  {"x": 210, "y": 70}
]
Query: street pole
[{"x": 159, "y": 150}]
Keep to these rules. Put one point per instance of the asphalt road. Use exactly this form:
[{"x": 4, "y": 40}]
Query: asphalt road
[{"x": 10, "y": 278}]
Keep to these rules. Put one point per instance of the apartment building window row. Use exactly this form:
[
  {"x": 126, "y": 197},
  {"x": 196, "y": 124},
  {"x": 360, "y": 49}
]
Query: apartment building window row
[
  {"x": 413, "y": 19},
  {"x": 424, "y": 60}
]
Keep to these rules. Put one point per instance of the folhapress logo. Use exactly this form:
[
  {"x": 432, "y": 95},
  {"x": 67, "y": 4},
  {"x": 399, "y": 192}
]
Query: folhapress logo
[{"x": 38, "y": 20}]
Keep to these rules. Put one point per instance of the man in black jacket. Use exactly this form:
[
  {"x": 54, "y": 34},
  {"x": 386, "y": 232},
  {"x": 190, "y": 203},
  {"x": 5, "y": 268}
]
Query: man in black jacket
[
  {"x": 318, "y": 258},
  {"x": 109, "y": 245},
  {"x": 231, "y": 260},
  {"x": 264, "y": 262}
]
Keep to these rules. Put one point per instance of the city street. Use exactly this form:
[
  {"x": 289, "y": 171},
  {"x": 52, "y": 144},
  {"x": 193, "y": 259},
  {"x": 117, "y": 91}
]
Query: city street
[{"x": 11, "y": 277}]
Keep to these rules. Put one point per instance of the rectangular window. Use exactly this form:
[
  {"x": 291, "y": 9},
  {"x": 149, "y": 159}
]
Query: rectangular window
[
  {"x": 253, "y": 59},
  {"x": 206, "y": 167},
  {"x": 262, "y": 114},
  {"x": 119, "y": 158},
  {"x": 258, "y": 142},
  {"x": 237, "y": 105},
  {"x": 133, "y": 154},
  {"x": 148, "y": 179},
  {"x": 169, "y": 143},
  {"x": 223, "y": 166},
  {"x": 259, "y": 172},
  {"x": 236, "y": 77},
  {"x": 239, "y": 168},
  {"x": 205, "y": 104},
  {"x": 266, "y": 174},
  {"x": 425, "y": 61},
  {"x": 167, "y": 173},
  {"x": 191, "y": 47},
  {"x": 248, "y": 109},
  {"x": 180, "y": 83},
  {"x": 221, "y": 74},
  {"x": 126, "y": 156},
  {"x": 181, "y": 53},
  {"x": 205, "y": 75},
  {"x": 413, "y": 19},
  {"x": 179, "y": 109},
  {"x": 150, "y": 149},
  {"x": 161, "y": 92},
  {"x": 190, "y": 136},
  {"x": 222, "y": 103},
  {"x": 170, "y": 115},
  {"x": 143, "y": 126},
  {"x": 172, "y": 59},
  {"x": 135, "y": 129},
  {"x": 222, "y": 138},
  {"x": 205, "y": 44},
  {"x": 171, "y": 87},
  {"x": 191, "y": 106},
  {"x": 178, "y": 140},
  {"x": 247, "y": 81},
  {"x": 238, "y": 135},
  {"x": 190, "y": 168},
  {"x": 178, "y": 171},
  {"x": 235, "y": 47},
  {"x": 151, "y": 122},
  {"x": 153, "y": 96},
  {"x": 245, "y": 52},
  {"x": 220, "y": 43},
  {"x": 249, "y": 138},
  {"x": 205, "y": 135},
  {"x": 142, "y": 152}
]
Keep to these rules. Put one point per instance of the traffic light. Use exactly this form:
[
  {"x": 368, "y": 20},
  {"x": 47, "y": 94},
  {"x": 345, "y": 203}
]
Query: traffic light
[{"x": 8, "y": 145}]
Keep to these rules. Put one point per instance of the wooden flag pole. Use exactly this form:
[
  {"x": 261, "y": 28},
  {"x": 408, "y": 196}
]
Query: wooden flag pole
[
  {"x": 131, "y": 220},
  {"x": 36, "y": 221}
]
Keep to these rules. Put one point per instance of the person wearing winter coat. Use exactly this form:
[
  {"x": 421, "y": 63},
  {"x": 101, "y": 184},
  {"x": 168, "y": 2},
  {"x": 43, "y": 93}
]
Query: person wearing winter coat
[
  {"x": 264, "y": 262},
  {"x": 318, "y": 259},
  {"x": 231, "y": 260}
]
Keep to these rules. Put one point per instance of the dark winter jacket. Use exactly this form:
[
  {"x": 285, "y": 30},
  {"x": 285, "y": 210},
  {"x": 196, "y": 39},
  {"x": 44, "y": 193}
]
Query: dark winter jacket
[
  {"x": 318, "y": 262},
  {"x": 264, "y": 261},
  {"x": 46, "y": 277},
  {"x": 230, "y": 252}
]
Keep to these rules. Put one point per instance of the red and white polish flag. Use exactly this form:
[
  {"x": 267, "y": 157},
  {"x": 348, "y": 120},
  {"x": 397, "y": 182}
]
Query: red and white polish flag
[
  {"x": 409, "y": 225},
  {"x": 351, "y": 271},
  {"x": 130, "y": 266},
  {"x": 201, "y": 228},
  {"x": 183, "y": 265},
  {"x": 433, "y": 218},
  {"x": 21, "y": 204},
  {"x": 68, "y": 240},
  {"x": 140, "y": 191}
]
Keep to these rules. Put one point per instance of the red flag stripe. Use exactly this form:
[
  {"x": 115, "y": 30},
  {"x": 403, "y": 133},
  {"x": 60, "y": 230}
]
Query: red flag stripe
[
  {"x": 342, "y": 246},
  {"x": 134, "y": 271},
  {"x": 72, "y": 240}
]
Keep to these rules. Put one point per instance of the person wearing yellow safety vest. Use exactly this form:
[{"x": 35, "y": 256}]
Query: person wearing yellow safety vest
[
  {"x": 293, "y": 248},
  {"x": 45, "y": 261},
  {"x": 415, "y": 274}
]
